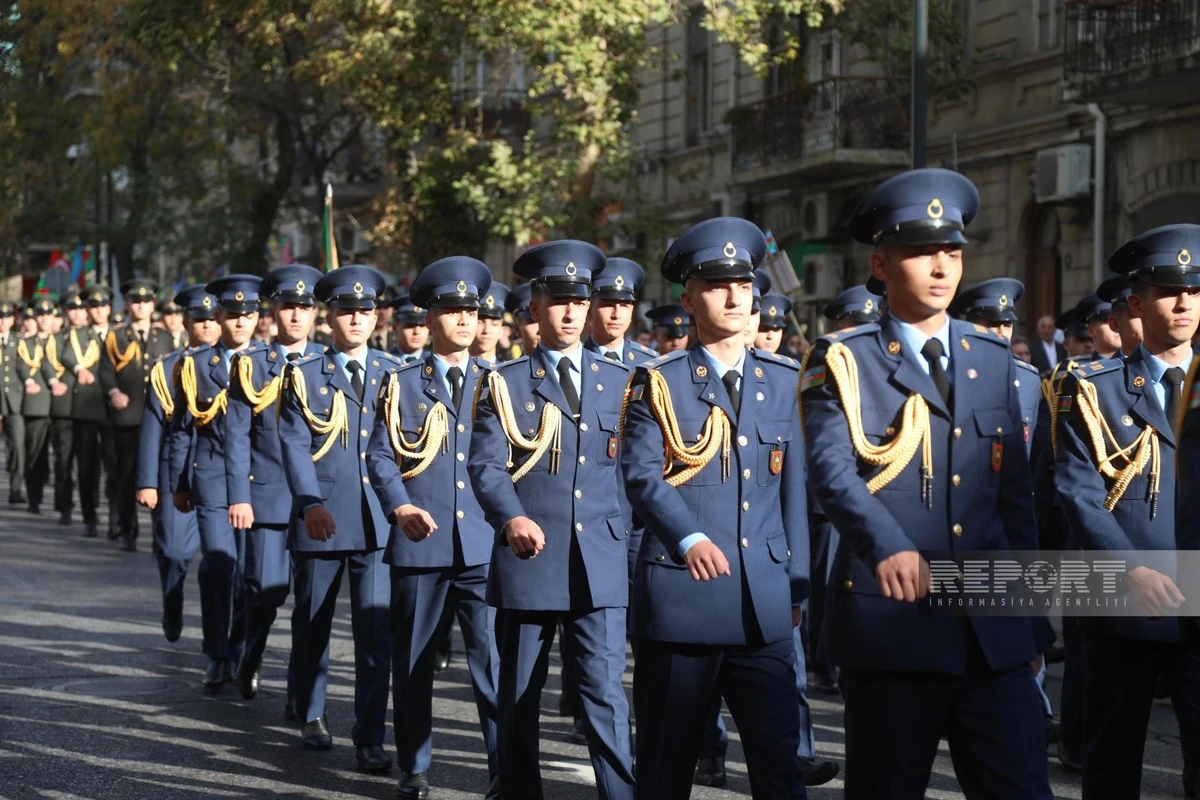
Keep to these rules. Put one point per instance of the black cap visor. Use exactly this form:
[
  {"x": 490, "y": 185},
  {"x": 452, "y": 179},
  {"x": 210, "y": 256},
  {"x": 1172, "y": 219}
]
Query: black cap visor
[
  {"x": 720, "y": 270},
  {"x": 615, "y": 294},
  {"x": 238, "y": 306},
  {"x": 923, "y": 232},
  {"x": 563, "y": 288}
]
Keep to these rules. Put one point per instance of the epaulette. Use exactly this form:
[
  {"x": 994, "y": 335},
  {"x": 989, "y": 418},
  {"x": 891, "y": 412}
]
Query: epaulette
[
  {"x": 1098, "y": 367},
  {"x": 666, "y": 358},
  {"x": 507, "y": 365},
  {"x": 1026, "y": 366},
  {"x": 608, "y": 362},
  {"x": 641, "y": 348},
  {"x": 409, "y": 366},
  {"x": 850, "y": 333},
  {"x": 985, "y": 333},
  {"x": 386, "y": 356},
  {"x": 196, "y": 351},
  {"x": 775, "y": 358},
  {"x": 307, "y": 359}
]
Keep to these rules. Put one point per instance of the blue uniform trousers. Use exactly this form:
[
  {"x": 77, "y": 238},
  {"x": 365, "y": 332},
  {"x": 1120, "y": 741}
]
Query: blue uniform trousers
[
  {"x": 219, "y": 578},
  {"x": 991, "y": 720},
  {"x": 176, "y": 540},
  {"x": 824, "y": 541},
  {"x": 318, "y": 580},
  {"x": 267, "y": 572},
  {"x": 595, "y": 642},
  {"x": 1071, "y": 701},
  {"x": 1120, "y": 681},
  {"x": 673, "y": 690},
  {"x": 716, "y": 736},
  {"x": 419, "y": 597}
]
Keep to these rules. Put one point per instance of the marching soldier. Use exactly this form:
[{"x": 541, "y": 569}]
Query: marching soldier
[
  {"x": 259, "y": 501},
  {"x": 737, "y": 565},
  {"x": 1115, "y": 291},
  {"x": 761, "y": 286},
  {"x": 176, "y": 534},
  {"x": 129, "y": 355},
  {"x": 327, "y": 413},
  {"x": 527, "y": 327},
  {"x": 412, "y": 335},
  {"x": 196, "y": 460},
  {"x": 36, "y": 373},
  {"x": 671, "y": 324},
  {"x": 544, "y": 465},
  {"x": 772, "y": 323},
  {"x": 62, "y": 433},
  {"x": 12, "y": 395},
  {"x": 173, "y": 323},
  {"x": 949, "y": 472},
  {"x": 440, "y": 545},
  {"x": 614, "y": 293},
  {"x": 1129, "y": 490},
  {"x": 91, "y": 432},
  {"x": 491, "y": 323},
  {"x": 382, "y": 338}
]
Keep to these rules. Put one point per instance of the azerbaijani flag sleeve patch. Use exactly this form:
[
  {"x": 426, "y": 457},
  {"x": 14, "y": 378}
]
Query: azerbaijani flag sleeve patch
[
  {"x": 812, "y": 378},
  {"x": 1194, "y": 399},
  {"x": 1064, "y": 402},
  {"x": 636, "y": 393}
]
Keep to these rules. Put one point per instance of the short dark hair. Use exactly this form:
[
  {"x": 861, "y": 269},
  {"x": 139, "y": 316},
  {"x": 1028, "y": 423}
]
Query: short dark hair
[{"x": 1018, "y": 340}]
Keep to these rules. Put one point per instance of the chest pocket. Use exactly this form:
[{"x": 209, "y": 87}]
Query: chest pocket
[
  {"x": 607, "y": 436},
  {"x": 991, "y": 426},
  {"x": 773, "y": 439}
]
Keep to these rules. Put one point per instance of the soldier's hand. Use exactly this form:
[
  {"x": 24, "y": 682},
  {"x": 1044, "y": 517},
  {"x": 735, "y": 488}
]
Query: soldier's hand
[
  {"x": 241, "y": 516},
  {"x": 119, "y": 400},
  {"x": 525, "y": 537},
  {"x": 147, "y": 498},
  {"x": 903, "y": 577},
  {"x": 182, "y": 501},
  {"x": 58, "y": 388},
  {"x": 1153, "y": 592},
  {"x": 319, "y": 524},
  {"x": 32, "y": 389},
  {"x": 416, "y": 523},
  {"x": 706, "y": 561},
  {"x": 85, "y": 377}
]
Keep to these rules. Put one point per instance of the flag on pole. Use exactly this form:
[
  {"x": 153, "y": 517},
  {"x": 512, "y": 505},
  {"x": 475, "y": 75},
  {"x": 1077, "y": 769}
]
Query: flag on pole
[
  {"x": 328, "y": 240},
  {"x": 286, "y": 257},
  {"x": 77, "y": 263},
  {"x": 772, "y": 247}
]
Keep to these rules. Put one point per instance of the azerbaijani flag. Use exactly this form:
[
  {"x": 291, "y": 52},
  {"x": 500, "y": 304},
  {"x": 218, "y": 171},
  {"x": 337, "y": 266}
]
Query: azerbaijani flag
[{"x": 328, "y": 240}]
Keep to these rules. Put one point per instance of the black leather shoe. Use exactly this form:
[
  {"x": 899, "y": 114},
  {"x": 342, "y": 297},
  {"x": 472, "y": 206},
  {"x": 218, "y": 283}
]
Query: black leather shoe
[
  {"x": 1069, "y": 759},
  {"x": 493, "y": 792},
  {"x": 441, "y": 661},
  {"x": 128, "y": 544},
  {"x": 371, "y": 758},
  {"x": 289, "y": 711},
  {"x": 89, "y": 530},
  {"x": 17, "y": 500},
  {"x": 816, "y": 773},
  {"x": 710, "y": 772},
  {"x": 823, "y": 683},
  {"x": 248, "y": 678},
  {"x": 564, "y": 705},
  {"x": 1189, "y": 780},
  {"x": 64, "y": 518},
  {"x": 214, "y": 675},
  {"x": 114, "y": 530},
  {"x": 231, "y": 671},
  {"x": 172, "y": 626},
  {"x": 316, "y": 736},
  {"x": 32, "y": 509},
  {"x": 1052, "y": 730},
  {"x": 413, "y": 787},
  {"x": 578, "y": 735}
]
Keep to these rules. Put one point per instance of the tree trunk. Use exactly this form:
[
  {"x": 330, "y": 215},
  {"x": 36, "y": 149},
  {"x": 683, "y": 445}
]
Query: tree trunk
[{"x": 264, "y": 208}]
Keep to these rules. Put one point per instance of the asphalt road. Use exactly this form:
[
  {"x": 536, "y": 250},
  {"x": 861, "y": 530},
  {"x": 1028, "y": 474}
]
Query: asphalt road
[{"x": 94, "y": 703}]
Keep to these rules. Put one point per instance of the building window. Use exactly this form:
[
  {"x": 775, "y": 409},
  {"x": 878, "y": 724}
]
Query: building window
[
  {"x": 1047, "y": 24},
  {"x": 784, "y": 77},
  {"x": 698, "y": 116}
]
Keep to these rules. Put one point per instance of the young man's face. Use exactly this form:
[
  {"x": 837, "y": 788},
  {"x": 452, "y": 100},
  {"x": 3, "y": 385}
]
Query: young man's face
[
  {"x": 487, "y": 336},
  {"x": 29, "y": 326},
  {"x": 411, "y": 337},
  {"x": 139, "y": 309},
  {"x": 610, "y": 319},
  {"x": 452, "y": 329},
  {"x": 1077, "y": 346},
  {"x": 769, "y": 339},
  {"x": 294, "y": 321},
  {"x": 530, "y": 335},
  {"x": 1021, "y": 351},
  {"x": 1104, "y": 338},
  {"x": 560, "y": 319},
  {"x": 236, "y": 329},
  {"x": 98, "y": 315},
  {"x": 77, "y": 317},
  {"x": 1128, "y": 328},
  {"x": 1169, "y": 315},
  {"x": 203, "y": 331},
  {"x": 6, "y": 323},
  {"x": 45, "y": 324},
  {"x": 722, "y": 308},
  {"x": 921, "y": 281},
  {"x": 669, "y": 344},
  {"x": 351, "y": 327}
]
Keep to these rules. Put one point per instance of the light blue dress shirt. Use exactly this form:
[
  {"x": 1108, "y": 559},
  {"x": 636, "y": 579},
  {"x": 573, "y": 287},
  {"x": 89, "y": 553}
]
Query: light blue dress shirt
[
  {"x": 441, "y": 366},
  {"x": 227, "y": 355},
  {"x": 916, "y": 340},
  {"x": 619, "y": 349},
  {"x": 719, "y": 369},
  {"x": 343, "y": 359},
  {"x": 575, "y": 356},
  {"x": 1158, "y": 369}
]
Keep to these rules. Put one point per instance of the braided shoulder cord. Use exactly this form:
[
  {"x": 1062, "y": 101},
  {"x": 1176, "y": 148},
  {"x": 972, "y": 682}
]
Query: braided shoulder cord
[
  {"x": 33, "y": 362},
  {"x": 714, "y": 436},
  {"x": 434, "y": 438},
  {"x": 162, "y": 390},
  {"x": 896, "y": 454},
  {"x": 263, "y": 400},
  {"x": 122, "y": 360},
  {"x": 187, "y": 379},
  {"x": 337, "y": 422},
  {"x": 1186, "y": 392},
  {"x": 1146, "y": 446},
  {"x": 549, "y": 435},
  {"x": 52, "y": 356},
  {"x": 84, "y": 358}
]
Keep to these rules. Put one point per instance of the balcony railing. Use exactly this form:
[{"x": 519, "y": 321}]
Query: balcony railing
[
  {"x": 493, "y": 114},
  {"x": 847, "y": 113},
  {"x": 1108, "y": 37}
]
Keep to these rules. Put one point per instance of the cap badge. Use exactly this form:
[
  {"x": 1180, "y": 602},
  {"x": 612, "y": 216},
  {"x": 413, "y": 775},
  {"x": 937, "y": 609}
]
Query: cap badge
[
  {"x": 868, "y": 305},
  {"x": 1003, "y": 300},
  {"x": 678, "y": 320},
  {"x": 490, "y": 301},
  {"x": 300, "y": 287},
  {"x": 358, "y": 288},
  {"x": 239, "y": 297},
  {"x": 461, "y": 287},
  {"x": 206, "y": 302},
  {"x": 619, "y": 282},
  {"x": 934, "y": 209},
  {"x": 571, "y": 269},
  {"x": 772, "y": 311},
  {"x": 729, "y": 251},
  {"x": 1184, "y": 257}
]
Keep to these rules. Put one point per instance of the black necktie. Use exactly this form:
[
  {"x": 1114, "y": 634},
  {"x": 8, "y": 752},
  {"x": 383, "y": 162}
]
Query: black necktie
[
  {"x": 730, "y": 380},
  {"x": 292, "y": 356},
  {"x": 568, "y": 387},
  {"x": 455, "y": 375},
  {"x": 612, "y": 354},
  {"x": 1174, "y": 379},
  {"x": 933, "y": 354},
  {"x": 356, "y": 378},
  {"x": 142, "y": 338}
]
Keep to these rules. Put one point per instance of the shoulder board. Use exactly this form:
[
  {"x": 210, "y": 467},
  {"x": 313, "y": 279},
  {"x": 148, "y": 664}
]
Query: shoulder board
[
  {"x": 385, "y": 356},
  {"x": 659, "y": 361},
  {"x": 641, "y": 348},
  {"x": 850, "y": 333},
  {"x": 985, "y": 333},
  {"x": 507, "y": 365},
  {"x": 307, "y": 359},
  {"x": 775, "y": 358},
  {"x": 409, "y": 367},
  {"x": 1101, "y": 367},
  {"x": 1025, "y": 365},
  {"x": 608, "y": 362}
]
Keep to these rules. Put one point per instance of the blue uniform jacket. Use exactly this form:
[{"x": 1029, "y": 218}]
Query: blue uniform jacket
[
  {"x": 635, "y": 354},
  {"x": 338, "y": 479},
  {"x": 576, "y": 507},
  {"x": 981, "y": 494},
  {"x": 1029, "y": 396},
  {"x": 253, "y": 457},
  {"x": 208, "y": 450},
  {"x": 1126, "y": 400},
  {"x": 443, "y": 488},
  {"x": 153, "y": 470},
  {"x": 757, "y": 514}
]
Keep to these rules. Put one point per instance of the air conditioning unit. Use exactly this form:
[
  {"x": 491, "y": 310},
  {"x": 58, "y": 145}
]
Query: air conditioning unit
[
  {"x": 1064, "y": 173},
  {"x": 814, "y": 216},
  {"x": 822, "y": 276}
]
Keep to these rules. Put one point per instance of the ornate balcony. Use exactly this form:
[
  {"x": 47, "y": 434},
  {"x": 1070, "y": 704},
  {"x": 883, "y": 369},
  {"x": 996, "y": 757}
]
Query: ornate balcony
[{"x": 493, "y": 114}]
